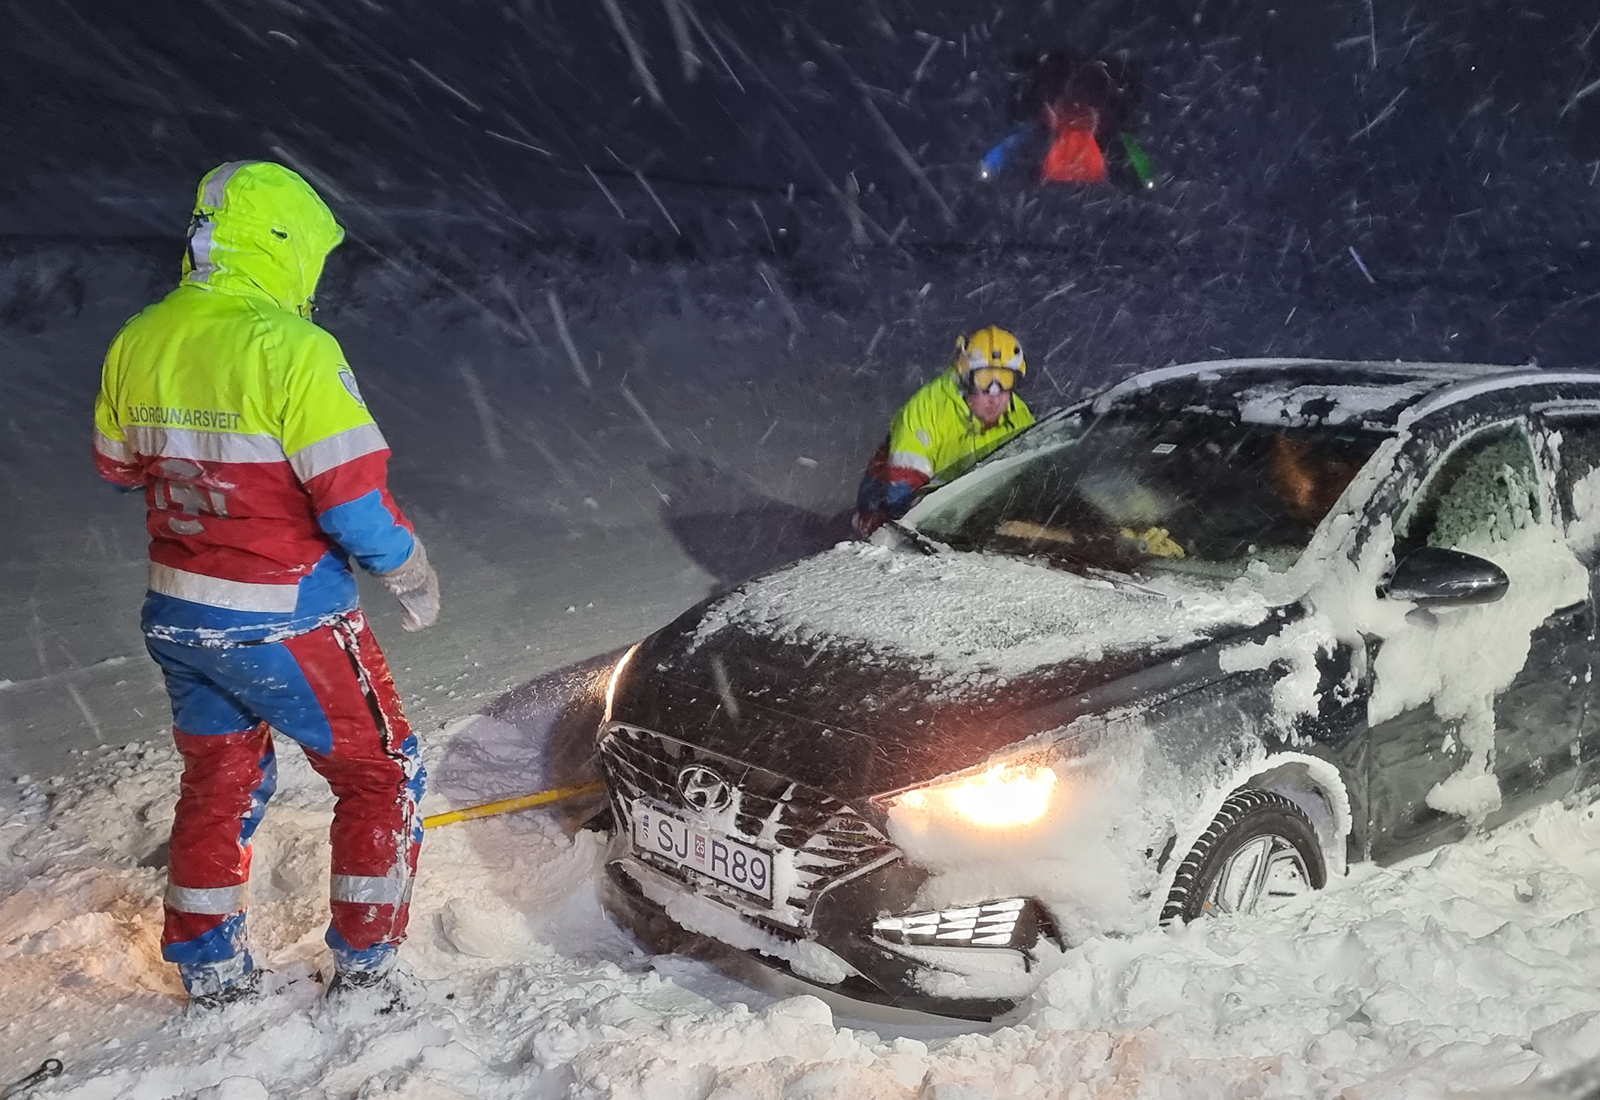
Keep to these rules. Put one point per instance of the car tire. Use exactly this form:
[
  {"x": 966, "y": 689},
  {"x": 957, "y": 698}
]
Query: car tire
[{"x": 1260, "y": 850}]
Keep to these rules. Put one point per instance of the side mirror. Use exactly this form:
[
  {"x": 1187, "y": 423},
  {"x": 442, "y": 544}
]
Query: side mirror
[{"x": 1432, "y": 576}]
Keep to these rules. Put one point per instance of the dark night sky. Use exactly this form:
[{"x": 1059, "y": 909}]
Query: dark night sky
[{"x": 418, "y": 102}]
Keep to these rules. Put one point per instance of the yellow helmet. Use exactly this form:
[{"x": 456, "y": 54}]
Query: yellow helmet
[{"x": 993, "y": 351}]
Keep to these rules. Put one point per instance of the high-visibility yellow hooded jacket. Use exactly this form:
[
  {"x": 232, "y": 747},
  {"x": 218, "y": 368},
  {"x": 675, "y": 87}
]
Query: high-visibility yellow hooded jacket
[
  {"x": 263, "y": 471},
  {"x": 934, "y": 437}
]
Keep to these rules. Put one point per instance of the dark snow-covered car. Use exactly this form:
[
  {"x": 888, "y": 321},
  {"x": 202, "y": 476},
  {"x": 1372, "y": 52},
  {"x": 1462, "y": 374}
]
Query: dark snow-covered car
[{"x": 1188, "y": 646}]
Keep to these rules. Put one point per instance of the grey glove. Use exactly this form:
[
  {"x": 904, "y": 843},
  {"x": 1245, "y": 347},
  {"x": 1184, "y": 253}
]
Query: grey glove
[{"x": 416, "y": 586}]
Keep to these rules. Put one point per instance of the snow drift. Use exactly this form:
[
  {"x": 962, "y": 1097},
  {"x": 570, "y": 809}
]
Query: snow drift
[{"x": 1476, "y": 967}]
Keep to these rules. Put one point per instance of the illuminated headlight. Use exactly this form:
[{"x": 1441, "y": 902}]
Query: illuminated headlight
[
  {"x": 992, "y": 924},
  {"x": 616, "y": 678},
  {"x": 1004, "y": 796}
]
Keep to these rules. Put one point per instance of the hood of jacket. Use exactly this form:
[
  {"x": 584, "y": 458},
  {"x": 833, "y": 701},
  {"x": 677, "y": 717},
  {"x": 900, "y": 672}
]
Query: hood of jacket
[{"x": 260, "y": 229}]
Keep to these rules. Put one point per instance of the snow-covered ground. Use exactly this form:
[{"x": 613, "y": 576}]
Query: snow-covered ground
[{"x": 1477, "y": 968}]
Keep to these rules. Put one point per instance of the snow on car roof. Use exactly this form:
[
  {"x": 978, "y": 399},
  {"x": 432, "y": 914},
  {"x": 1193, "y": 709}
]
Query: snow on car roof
[
  {"x": 1437, "y": 371},
  {"x": 1465, "y": 389},
  {"x": 1382, "y": 395},
  {"x": 1329, "y": 404}
]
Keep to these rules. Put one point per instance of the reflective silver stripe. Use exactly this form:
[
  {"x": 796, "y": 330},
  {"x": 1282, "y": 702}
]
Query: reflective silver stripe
[
  {"x": 217, "y": 185},
  {"x": 216, "y": 592},
  {"x": 911, "y": 460},
  {"x": 200, "y": 236},
  {"x": 200, "y": 251},
  {"x": 370, "y": 890},
  {"x": 336, "y": 450},
  {"x": 204, "y": 446},
  {"x": 215, "y": 901},
  {"x": 114, "y": 449}
]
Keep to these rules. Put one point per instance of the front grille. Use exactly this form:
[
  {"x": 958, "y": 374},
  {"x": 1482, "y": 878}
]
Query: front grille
[{"x": 830, "y": 840}]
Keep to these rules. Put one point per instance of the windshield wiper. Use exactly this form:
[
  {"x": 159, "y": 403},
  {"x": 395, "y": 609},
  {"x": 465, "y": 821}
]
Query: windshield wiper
[
  {"x": 1121, "y": 580},
  {"x": 1074, "y": 563},
  {"x": 916, "y": 538}
]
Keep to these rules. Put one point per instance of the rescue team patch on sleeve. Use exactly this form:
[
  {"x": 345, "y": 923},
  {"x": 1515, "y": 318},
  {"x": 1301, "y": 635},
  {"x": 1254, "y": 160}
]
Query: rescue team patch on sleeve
[{"x": 349, "y": 381}]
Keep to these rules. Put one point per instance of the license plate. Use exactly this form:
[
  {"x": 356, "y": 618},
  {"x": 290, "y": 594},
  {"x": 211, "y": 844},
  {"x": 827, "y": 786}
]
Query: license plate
[{"x": 669, "y": 837}]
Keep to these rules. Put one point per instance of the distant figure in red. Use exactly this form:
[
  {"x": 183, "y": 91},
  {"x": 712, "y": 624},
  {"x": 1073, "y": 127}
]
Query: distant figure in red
[{"x": 1085, "y": 105}]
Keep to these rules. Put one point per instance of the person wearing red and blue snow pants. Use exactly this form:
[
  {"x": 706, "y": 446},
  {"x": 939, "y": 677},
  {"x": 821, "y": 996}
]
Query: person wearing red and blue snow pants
[{"x": 330, "y": 690}]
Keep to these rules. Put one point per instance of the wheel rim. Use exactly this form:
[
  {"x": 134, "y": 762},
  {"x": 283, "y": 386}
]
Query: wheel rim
[{"x": 1263, "y": 874}]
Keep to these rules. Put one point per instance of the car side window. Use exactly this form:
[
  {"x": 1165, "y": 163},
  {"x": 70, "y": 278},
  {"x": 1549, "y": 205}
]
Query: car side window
[
  {"x": 1483, "y": 492},
  {"x": 1579, "y": 481}
]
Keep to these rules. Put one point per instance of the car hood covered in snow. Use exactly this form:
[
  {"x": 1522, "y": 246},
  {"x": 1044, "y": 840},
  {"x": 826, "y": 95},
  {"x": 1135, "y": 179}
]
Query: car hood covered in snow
[{"x": 866, "y": 669}]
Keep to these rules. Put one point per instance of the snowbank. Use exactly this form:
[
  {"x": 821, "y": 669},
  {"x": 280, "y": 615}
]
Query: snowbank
[{"x": 1479, "y": 966}]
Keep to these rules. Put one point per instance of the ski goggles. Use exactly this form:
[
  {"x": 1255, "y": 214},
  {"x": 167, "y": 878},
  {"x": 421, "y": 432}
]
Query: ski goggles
[{"x": 991, "y": 380}]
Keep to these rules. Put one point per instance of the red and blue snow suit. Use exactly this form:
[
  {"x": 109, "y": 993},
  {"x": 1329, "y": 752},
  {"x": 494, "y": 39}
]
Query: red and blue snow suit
[{"x": 264, "y": 475}]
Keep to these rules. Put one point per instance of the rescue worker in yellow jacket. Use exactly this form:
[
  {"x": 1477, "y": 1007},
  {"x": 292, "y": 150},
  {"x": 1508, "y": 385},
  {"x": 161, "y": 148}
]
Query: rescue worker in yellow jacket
[
  {"x": 264, "y": 475},
  {"x": 947, "y": 426}
]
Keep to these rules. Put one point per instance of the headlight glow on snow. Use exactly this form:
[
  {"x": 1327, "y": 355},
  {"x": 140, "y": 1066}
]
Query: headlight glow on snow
[
  {"x": 1005, "y": 796},
  {"x": 616, "y": 676}
]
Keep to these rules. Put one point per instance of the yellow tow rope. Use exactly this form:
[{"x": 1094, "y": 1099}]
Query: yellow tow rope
[{"x": 511, "y": 805}]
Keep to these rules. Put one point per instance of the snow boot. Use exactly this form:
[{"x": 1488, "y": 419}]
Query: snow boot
[
  {"x": 385, "y": 989},
  {"x": 247, "y": 988}
]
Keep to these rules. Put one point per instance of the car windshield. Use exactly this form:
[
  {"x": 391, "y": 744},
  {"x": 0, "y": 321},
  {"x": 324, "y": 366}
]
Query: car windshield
[{"x": 1192, "y": 492}]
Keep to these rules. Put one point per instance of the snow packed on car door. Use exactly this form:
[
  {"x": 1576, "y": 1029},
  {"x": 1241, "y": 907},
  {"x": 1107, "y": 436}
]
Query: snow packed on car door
[
  {"x": 1485, "y": 743},
  {"x": 1575, "y": 437}
]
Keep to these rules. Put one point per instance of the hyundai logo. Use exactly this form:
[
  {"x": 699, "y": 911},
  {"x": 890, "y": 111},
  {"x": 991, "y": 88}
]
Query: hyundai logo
[{"x": 703, "y": 790}]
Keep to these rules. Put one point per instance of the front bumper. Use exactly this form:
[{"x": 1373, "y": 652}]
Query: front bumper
[{"x": 977, "y": 983}]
